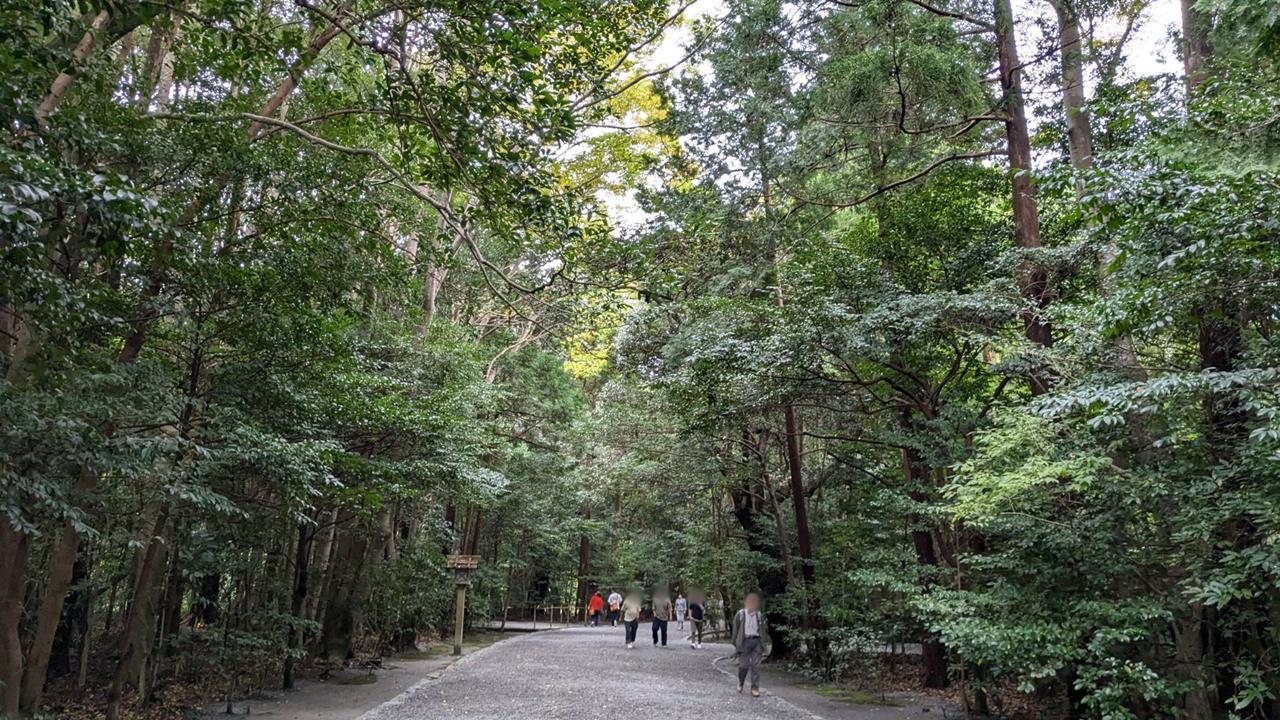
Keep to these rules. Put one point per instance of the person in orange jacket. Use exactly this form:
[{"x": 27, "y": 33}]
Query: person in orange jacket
[{"x": 594, "y": 606}]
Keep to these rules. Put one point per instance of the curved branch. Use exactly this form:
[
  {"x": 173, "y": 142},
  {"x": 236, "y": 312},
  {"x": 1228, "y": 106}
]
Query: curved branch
[{"x": 897, "y": 183}]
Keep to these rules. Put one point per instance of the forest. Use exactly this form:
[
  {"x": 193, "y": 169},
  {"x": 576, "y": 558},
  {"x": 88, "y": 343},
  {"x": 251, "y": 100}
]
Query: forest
[{"x": 934, "y": 321}]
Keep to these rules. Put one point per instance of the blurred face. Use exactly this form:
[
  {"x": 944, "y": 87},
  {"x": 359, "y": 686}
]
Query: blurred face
[{"x": 752, "y": 602}]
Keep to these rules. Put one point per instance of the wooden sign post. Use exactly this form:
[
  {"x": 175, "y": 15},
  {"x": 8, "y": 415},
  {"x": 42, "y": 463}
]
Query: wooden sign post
[{"x": 462, "y": 566}]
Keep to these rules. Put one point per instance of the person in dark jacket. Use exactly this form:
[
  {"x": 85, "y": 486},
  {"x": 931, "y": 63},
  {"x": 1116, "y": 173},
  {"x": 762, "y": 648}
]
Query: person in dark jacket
[
  {"x": 750, "y": 642},
  {"x": 662, "y": 614},
  {"x": 697, "y": 613}
]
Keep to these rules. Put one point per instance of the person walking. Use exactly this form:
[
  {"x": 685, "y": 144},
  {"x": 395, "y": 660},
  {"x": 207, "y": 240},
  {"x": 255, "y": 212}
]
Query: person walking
[
  {"x": 594, "y": 606},
  {"x": 682, "y": 606},
  {"x": 750, "y": 642},
  {"x": 615, "y": 607},
  {"x": 696, "y": 614},
  {"x": 662, "y": 612},
  {"x": 631, "y": 617}
]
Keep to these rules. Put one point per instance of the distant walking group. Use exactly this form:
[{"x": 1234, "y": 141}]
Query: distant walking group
[{"x": 749, "y": 629}]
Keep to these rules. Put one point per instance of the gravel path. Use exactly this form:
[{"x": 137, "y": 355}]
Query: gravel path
[{"x": 586, "y": 674}]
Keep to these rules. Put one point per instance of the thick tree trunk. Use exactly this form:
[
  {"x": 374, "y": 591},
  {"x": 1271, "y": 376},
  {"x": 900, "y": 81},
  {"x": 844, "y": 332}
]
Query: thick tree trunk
[
  {"x": 301, "y": 574},
  {"x": 1197, "y": 46},
  {"x": 174, "y": 590},
  {"x": 1079, "y": 134},
  {"x": 472, "y": 536},
  {"x": 772, "y": 582},
  {"x": 341, "y": 616},
  {"x": 208, "y": 605},
  {"x": 916, "y": 477},
  {"x": 14, "y": 546},
  {"x": 387, "y": 533},
  {"x": 933, "y": 652},
  {"x": 1194, "y": 664},
  {"x": 321, "y": 565},
  {"x": 135, "y": 643},
  {"x": 1034, "y": 280},
  {"x": 73, "y": 623},
  {"x": 799, "y": 498},
  {"x": 437, "y": 269},
  {"x": 61, "y": 567}
]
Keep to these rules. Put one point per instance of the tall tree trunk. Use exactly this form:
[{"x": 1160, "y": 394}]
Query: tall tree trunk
[
  {"x": 135, "y": 641},
  {"x": 341, "y": 613},
  {"x": 61, "y": 565},
  {"x": 1194, "y": 663},
  {"x": 450, "y": 522},
  {"x": 387, "y": 532},
  {"x": 772, "y": 582},
  {"x": 795, "y": 466},
  {"x": 799, "y": 498},
  {"x": 324, "y": 548},
  {"x": 915, "y": 475},
  {"x": 61, "y": 568},
  {"x": 74, "y": 620},
  {"x": 784, "y": 542},
  {"x": 86, "y": 640},
  {"x": 174, "y": 590},
  {"x": 1079, "y": 133},
  {"x": 1033, "y": 280},
  {"x": 208, "y": 605},
  {"x": 1221, "y": 321},
  {"x": 301, "y": 574},
  {"x": 437, "y": 268},
  {"x": 14, "y": 546},
  {"x": 1080, "y": 148},
  {"x": 1197, "y": 45}
]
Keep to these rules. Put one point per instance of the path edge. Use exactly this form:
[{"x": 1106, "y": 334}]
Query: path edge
[
  {"x": 403, "y": 697},
  {"x": 715, "y": 663}
]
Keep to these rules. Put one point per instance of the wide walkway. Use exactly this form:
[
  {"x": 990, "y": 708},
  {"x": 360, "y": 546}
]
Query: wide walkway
[{"x": 586, "y": 674}]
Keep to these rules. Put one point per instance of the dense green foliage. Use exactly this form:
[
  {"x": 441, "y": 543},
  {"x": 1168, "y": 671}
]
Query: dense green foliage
[
  {"x": 296, "y": 299},
  {"x": 848, "y": 252},
  {"x": 276, "y": 280}
]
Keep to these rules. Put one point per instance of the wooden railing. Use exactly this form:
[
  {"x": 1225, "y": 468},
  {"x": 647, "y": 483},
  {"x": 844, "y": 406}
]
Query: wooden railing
[{"x": 546, "y": 615}]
